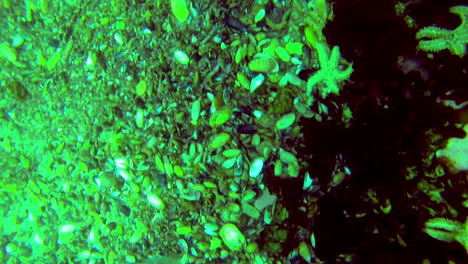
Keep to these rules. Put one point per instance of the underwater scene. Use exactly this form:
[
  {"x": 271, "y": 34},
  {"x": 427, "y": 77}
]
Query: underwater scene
[{"x": 239, "y": 132}]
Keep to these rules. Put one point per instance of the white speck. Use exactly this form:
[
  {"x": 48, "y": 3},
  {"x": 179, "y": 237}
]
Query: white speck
[
  {"x": 307, "y": 181},
  {"x": 89, "y": 61},
  {"x": 67, "y": 228},
  {"x": 118, "y": 38},
  {"x": 125, "y": 175},
  {"x": 256, "y": 167},
  {"x": 38, "y": 239},
  {"x": 258, "y": 113},
  {"x": 256, "y": 82},
  {"x": 120, "y": 163},
  {"x": 155, "y": 201}
]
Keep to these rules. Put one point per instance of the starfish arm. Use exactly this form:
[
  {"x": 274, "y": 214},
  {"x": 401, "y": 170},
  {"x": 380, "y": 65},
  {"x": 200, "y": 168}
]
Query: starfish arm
[
  {"x": 344, "y": 75},
  {"x": 461, "y": 11},
  {"x": 322, "y": 55},
  {"x": 313, "y": 80},
  {"x": 458, "y": 48},
  {"x": 462, "y": 238},
  {"x": 334, "y": 58},
  {"x": 432, "y": 32},
  {"x": 443, "y": 229},
  {"x": 331, "y": 87},
  {"x": 433, "y": 45}
]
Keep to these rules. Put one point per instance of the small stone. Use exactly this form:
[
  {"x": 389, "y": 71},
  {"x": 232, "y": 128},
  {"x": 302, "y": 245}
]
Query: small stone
[
  {"x": 250, "y": 211},
  {"x": 155, "y": 201},
  {"x": 294, "y": 48},
  {"x": 282, "y": 53},
  {"x": 229, "y": 163},
  {"x": 221, "y": 116},
  {"x": 178, "y": 171},
  {"x": 239, "y": 54},
  {"x": 195, "y": 112},
  {"x": 278, "y": 169},
  {"x": 304, "y": 251},
  {"x": 159, "y": 163},
  {"x": 251, "y": 247},
  {"x": 120, "y": 25},
  {"x": 139, "y": 118},
  {"x": 181, "y": 57},
  {"x": 7, "y": 52},
  {"x": 285, "y": 121},
  {"x": 243, "y": 81},
  {"x": 264, "y": 63},
  {"x": 219, "y": 140},
  {"x": 293, "y": 170},
  {"x": 287, "y": 157},
  {"x": 260, "y": 15},
  {"x": 265, "y": 200},
  {"x": 183, "y": 230},
  {"x": 211, "y": 229},
  {"x": 180, "y": 10},
  {"x": 210, "y": 185},
  {"x": 140, "y": 89},
  {"x": 53, "y": 61},
  {"x": 231, "y": 153},
  {"x": 130, "y": 259}
]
